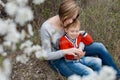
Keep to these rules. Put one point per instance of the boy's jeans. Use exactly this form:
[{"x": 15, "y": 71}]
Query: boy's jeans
[{"x": 85, "y": 65}]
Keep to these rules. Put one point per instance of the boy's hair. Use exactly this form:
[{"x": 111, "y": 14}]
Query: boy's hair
[
  {"x": 74, "y": 24},
  {"x": 67, "y": 9}
]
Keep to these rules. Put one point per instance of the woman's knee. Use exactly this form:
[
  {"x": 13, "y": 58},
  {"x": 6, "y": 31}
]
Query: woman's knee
[
  {"x": 87, "y": 71},
  {"x": 96, "y": 62},
  {"x": 99, "y": 45},
  {"x": 100, "y": 48}
]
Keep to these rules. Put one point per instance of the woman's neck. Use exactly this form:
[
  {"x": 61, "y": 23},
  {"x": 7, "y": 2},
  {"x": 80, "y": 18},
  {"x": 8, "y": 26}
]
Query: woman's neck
[{"x": 56, "y": 23}]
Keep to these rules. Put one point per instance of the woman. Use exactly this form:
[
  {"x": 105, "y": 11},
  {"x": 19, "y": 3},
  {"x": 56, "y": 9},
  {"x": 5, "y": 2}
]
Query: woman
[{"x": 53, "y": 29}]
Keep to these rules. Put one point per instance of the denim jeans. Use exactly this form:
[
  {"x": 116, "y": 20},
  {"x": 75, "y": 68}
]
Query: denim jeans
[
  {"x": 98, "y": 49},
  {"x": 61, "y": 67},
  {"x": 83, "y": 67},
  {"x": 95, "y": 49}
]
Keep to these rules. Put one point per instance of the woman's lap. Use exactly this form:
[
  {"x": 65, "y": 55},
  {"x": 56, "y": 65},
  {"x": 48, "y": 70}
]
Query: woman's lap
[
  {"x": 80, "y": 68},
  {"x": 60, "y": 66}
]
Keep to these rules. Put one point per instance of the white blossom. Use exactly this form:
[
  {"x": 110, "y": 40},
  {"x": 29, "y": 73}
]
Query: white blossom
[
  {"x": 1, "y": 2},
  {"x": 92, "y": 76},
  {"x": 7, "y": 43},
  {"x": 1, "y": 48},
  {"x": 107, "y": 73},
  {"x": 4, "y": 54},
  {"x": 28, "y": 51},
  {"x": 74, "y": 77},
  {"x": 22, "y": 58},
  {"x": 27, "y": 43},
  {"x": 12, "y": 37},
  {"x": 9, "y": 21},
  {"x": 11, "y": 0},
  {"x": 13, "y": 47},
  {"x": 3, "y": 27},
  {"x": 24, "y": 14},
  {"x": 30, "y": 31},
  {"x": 5, "y": 71},
  {"x": 22, "y": 2},
  {"x": 8, "y": 29},
  {"x": 41, "y": 54},
  {"x": 22, "y": 35},
  {"x": 11, "y": 27},
  {"x": 11, "y": 8},
  {"x": 38, "y": 1},
  {"x": 36, "y": 47},
  {"x": 7, "y": 66},
  {"x": 10, "y": 45}
]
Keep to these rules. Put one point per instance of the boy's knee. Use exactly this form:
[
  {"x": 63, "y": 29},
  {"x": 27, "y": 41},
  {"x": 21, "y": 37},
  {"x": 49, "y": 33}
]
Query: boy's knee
[
  {"x": 87, "y": 72},
  {"x": 97, "y": 61},
  {"x": 100, "y": 47},
  {"x": 99, "y": 44}
]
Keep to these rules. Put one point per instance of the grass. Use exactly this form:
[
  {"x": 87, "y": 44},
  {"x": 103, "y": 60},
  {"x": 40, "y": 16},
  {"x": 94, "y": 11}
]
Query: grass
[{"x": 100, "y": 18}]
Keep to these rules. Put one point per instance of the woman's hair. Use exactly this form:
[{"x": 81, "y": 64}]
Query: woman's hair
[
  {"x": 74, "y": 24},
  {"x": 67, "y": 9}
]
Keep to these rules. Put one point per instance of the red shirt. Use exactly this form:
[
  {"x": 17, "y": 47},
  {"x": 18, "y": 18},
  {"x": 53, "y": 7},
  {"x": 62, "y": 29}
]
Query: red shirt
[{"x": 65, "y": 43}]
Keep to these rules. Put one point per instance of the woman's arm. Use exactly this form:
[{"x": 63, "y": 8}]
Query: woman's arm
[
  {"x": 86, "y": 38},
  {"x": 46, "y": 44}
]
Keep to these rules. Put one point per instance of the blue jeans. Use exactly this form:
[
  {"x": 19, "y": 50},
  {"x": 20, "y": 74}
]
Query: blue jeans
[
  {"x": 98, "y": 49},
  {"x": 84, "y": 66},
  {"x": 61, "y": 67},
  {"x": 95, "y": 49}
]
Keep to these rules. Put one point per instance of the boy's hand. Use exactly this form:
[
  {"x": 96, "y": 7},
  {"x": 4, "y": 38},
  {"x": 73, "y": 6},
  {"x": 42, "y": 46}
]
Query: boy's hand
[
  {"x": 79, "y": 56},
  {"x": 82, "y": 54}
]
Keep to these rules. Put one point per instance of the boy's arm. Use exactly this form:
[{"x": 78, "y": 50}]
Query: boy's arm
[{"x": 86, "y": 38}]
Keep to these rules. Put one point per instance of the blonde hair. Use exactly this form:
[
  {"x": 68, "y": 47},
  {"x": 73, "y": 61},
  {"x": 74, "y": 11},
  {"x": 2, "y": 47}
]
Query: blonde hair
[
  {"x": 67, "y": 9},
  {"x": 74, "y": 24}
]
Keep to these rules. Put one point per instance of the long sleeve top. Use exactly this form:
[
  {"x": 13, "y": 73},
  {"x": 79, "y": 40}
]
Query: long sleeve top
[
  {"x": 66, "y": 42},
  {"x": 50, "y": 41}
]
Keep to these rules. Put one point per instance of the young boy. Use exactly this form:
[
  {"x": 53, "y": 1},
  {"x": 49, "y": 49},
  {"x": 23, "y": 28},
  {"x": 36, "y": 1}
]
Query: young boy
[{"x": 74, "y": 38}]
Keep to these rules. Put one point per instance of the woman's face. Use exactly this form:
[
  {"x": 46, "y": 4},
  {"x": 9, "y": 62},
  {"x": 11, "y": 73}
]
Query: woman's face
[
  {"x": 73, "y": 32},
  {"x": 70, "y": 20}
]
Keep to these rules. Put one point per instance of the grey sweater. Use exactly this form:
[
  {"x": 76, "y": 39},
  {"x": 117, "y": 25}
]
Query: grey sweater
[{"x": 50, "y": 41}]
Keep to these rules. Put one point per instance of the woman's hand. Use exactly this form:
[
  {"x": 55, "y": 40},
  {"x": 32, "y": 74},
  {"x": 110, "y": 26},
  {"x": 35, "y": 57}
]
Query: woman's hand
[
  {"x": 74, "y": 51},
  {"x": 80, "y": 56}
]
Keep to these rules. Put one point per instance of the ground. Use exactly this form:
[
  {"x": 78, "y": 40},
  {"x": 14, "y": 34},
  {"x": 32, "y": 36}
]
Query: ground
[{"x": 34, "y": 69}]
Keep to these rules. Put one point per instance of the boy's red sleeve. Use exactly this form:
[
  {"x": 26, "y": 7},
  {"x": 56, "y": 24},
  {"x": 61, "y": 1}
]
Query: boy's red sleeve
[{"x": 87, "y": 39}]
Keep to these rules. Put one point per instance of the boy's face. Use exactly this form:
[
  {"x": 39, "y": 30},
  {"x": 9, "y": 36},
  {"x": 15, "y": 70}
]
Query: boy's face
[{"x": 73, "y": 32}]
